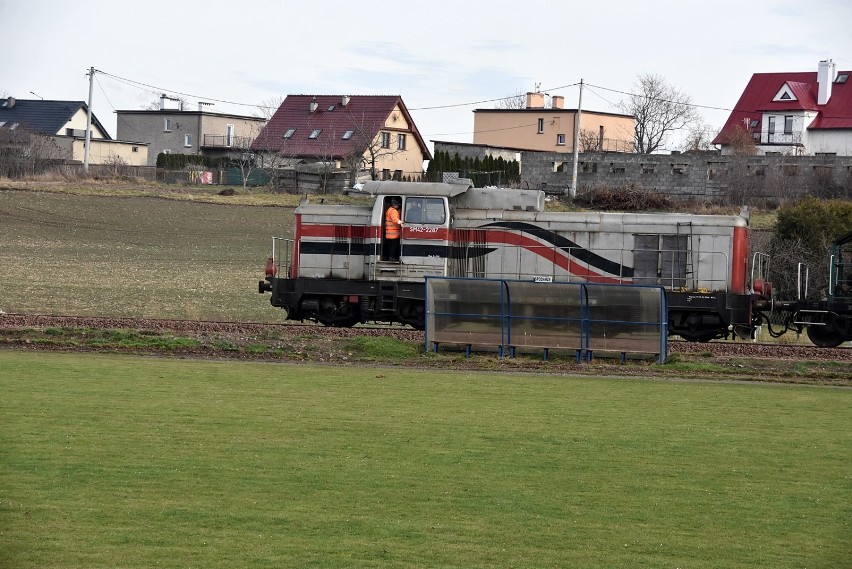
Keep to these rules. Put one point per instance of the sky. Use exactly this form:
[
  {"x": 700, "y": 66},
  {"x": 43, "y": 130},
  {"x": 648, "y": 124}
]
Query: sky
[{"x": 444, "y": 58}]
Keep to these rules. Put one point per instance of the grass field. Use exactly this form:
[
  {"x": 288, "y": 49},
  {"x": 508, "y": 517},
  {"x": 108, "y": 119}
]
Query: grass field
[
  {"x": 135, "y": 255},
  {"x": 119, "y": 461}
]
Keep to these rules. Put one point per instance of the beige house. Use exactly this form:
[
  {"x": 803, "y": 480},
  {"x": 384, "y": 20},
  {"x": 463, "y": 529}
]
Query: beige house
[
  {"x": 64, "y": 122},
  {"x": 551, "y": 129}
]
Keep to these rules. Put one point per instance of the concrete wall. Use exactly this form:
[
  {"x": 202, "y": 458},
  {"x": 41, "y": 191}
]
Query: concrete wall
[{"x": 737, "y": 179}]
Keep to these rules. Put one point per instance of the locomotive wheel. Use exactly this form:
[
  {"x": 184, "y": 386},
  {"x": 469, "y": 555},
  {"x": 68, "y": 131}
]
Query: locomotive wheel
[
  {"x": 824, "y": 336},
  {"x": 337, "y": 314}
]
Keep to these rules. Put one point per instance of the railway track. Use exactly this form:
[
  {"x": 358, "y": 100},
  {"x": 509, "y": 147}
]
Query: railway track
[{"x": 201, "y": 328}]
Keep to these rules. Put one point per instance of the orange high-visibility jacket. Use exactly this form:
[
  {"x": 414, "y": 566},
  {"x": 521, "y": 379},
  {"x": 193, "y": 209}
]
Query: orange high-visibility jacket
[{"x": 392, "y": 223}]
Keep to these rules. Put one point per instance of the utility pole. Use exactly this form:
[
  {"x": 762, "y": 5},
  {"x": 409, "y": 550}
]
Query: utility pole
[
  {"x": 573, "y": 190},
  {"x": 88, "y": 123}
]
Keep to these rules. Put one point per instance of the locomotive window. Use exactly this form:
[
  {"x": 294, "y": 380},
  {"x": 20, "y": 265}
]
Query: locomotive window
[{"x": 425, "y": 211}]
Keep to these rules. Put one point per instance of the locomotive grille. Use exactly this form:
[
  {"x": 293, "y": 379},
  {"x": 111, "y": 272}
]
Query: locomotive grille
[{"x": 467, "y": 253}]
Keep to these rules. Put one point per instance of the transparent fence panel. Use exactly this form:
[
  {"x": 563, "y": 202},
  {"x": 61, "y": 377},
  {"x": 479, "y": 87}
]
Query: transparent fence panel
[
  {"x": 627, "y": 319},
  {"x": 526, "y": 315},
  {"x": 544, "y": 315},
  {"x": 464, "y": 311}
]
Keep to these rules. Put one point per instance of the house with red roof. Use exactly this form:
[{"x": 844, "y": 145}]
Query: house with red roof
[
  {"x": 373, "y": 135},
  {"x": 797, "y": 113}
]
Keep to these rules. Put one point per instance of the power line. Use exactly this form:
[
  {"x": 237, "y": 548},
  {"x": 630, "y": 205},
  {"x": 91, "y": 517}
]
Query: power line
[{"x": 157, "y": 90}]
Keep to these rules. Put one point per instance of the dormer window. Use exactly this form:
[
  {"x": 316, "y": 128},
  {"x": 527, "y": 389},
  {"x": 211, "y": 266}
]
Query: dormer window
[{"x": 785, "y": 94}]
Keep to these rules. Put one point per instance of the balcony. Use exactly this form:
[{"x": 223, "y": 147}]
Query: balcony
[{"x": 225, "y": 141}]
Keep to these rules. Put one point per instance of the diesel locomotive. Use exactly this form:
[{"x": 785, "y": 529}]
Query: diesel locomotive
[{"x": 334, "y": 270}]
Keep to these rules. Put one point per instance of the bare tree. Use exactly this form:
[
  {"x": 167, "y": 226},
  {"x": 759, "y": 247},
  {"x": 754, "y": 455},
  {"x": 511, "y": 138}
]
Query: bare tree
[
  {"x": 267, "y": 107},
  {"x": 699, "y": 138},
  {"x": 517, "y": 100},
  {"x": 26, "y": 153},
  {"x": 660, "y": 109},
  {"x": 370, "y": 148},
  {"x": 741, "y": 142},
  {"x": 590, "y": 141}
]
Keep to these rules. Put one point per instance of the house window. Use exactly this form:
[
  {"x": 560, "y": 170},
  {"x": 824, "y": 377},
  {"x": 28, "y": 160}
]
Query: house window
[
  {"x": 315, "y": 133},
  {"x": 167, "y": 124},
  {"x": 386, "y": 174},
  {"x": 385, "y": 140},
  {"x": 788, "y": 125},
  {"x": 540, "y": 126},
  {"x": 290, "y": 132},
  {"x": 229, "y": 135},
  {"x": 135, "y": 149},
  {"x": 771, "y": 126},
  {"x": 348, "y": 134},
  {"x": 187, "y": 140},
  {"x": 560, "y": 140},
  {"x": 400, "y": 141}
]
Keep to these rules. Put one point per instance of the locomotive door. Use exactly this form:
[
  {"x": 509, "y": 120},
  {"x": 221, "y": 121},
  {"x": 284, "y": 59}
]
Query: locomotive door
[{"x": 424, "y": 234}]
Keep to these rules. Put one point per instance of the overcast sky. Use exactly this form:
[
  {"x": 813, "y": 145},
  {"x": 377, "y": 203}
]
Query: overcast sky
[{"x": 444, "y": 58}]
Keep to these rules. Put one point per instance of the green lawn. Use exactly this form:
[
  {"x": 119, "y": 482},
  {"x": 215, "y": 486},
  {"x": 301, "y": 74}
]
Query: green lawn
[{"x": 119, "y": 461}]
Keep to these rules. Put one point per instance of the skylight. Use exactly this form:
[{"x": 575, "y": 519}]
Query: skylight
[
  {"x": 331, "y": 108},
  {"x": 348, "y": 134},
  {"x": 315, "y": 133},
  {"x": 842, "y": 78},
  {"x": 290, "y": 132}
]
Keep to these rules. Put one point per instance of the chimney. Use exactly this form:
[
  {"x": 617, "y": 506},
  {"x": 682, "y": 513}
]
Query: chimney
[
  {"x": 314, "y": 104},
  {"x": 163, "y": 102},
  {"x": 558, "y": 101},
  {"x": 826, "y": 74},
  {"x": 535, "y": 100},
  {"x": 344, "y": 101},
  {"x": 9, "y": 103}
]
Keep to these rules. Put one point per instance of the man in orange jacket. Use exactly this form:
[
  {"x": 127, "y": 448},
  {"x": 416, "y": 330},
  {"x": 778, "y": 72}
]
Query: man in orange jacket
[{"x": 393, "y": 231}]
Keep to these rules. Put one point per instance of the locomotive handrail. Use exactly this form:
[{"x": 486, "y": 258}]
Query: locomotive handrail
[
  {"x": 287, "y": 248},
  {"x": 759, "y": 263},
  {"x": 800, "y": 294},
  {"x": 833, "y": 275}
]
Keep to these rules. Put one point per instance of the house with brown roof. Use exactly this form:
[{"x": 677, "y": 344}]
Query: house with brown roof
[
  {"x": 794, "y": 113},
  {"x": 370, "y": 135}
]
